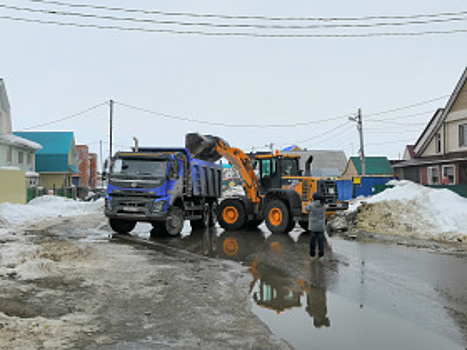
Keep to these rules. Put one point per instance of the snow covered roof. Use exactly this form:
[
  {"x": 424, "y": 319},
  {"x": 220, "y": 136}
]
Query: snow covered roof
[{"x": 14, "y": 140}]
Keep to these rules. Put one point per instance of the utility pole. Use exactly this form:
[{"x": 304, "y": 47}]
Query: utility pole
[
  {"x": 111, "y": 116},
  {"x": 359, "y": 122}
]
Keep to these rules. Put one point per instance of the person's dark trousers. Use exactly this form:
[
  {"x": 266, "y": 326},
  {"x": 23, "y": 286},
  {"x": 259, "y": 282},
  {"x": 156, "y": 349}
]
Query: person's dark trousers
[{"x": 316, "y": 236}]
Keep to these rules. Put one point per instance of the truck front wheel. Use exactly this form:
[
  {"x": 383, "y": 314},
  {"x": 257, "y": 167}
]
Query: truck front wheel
[
  {"x": 174, "y": 221},
  {"x": 278, "y": 218},
  {"x": 122, "y": 226},
  {"x": 231, "y": 214}
]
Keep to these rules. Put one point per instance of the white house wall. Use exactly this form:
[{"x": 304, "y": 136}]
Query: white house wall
[
  {"x": 15, "y": 158},
  {"x": 453, "y": 120},
  {"x": 431, "y": 148}
]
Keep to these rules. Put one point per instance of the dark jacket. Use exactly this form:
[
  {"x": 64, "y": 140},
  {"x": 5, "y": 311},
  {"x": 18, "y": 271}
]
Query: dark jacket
[{"x": 316, "y": 216}]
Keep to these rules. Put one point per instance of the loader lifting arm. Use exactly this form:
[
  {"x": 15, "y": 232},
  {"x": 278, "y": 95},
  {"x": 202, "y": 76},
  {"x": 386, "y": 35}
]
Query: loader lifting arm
[
  {"x": 238, "y": 159},
  {"x": 212, "y": 148}
]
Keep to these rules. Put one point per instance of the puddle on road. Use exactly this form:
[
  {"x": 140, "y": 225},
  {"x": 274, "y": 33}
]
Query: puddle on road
[{"x": 296, "y": 297}]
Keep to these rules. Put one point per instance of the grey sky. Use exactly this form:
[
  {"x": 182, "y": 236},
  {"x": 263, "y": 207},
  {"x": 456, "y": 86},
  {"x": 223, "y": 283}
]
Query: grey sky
[{"x": 53, "y": 72}]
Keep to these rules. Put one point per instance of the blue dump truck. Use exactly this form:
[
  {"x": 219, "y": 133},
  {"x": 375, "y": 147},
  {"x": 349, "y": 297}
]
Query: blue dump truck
[{"x": 162, "y": 186}]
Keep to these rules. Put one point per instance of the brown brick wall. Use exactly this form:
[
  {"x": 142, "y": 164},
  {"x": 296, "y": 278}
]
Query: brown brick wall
[{"x": 83, "y": 164}]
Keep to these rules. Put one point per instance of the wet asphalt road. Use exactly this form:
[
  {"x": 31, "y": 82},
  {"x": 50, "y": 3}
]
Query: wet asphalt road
[{"x": 362, "y": 296}]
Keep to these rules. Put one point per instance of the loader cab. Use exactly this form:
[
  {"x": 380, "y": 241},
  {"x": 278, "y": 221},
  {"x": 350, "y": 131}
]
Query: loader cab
[{"x": 272, "y": 168}]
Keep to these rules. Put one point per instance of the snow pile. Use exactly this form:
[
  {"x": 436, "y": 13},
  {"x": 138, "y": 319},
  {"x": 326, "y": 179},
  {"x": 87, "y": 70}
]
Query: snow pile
[
  {"x": 416, "y": 210},
  {"x": 43, "y": 208}
]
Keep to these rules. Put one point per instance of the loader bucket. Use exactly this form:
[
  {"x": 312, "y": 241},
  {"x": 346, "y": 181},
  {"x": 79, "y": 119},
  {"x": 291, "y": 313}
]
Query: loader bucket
[{"x": 203, "y": 146}]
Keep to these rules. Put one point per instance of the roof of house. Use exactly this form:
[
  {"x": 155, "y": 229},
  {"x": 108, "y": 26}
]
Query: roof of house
[
  {"x": 53, "y": 142},
  {"x": 325, "y": 163},
  {"x": 373, "y": 165},
  {"x": 14, "y": 140},
  {"x": 411, "y": 150},
  {"x": 440, "y": 116},
  {"x": 54, "y": 156},
  {"x": 4, "y": 103}
]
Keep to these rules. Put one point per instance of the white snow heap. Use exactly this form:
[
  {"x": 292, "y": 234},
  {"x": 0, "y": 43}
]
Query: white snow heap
[
  {"x": 427, "y": 211},
  {"x": 43, "y": 208}
]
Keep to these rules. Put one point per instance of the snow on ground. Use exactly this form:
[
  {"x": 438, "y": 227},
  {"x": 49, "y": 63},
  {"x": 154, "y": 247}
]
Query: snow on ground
[
  {"x": 412, "y": 209},
  {"x": 43, "y": 208}
]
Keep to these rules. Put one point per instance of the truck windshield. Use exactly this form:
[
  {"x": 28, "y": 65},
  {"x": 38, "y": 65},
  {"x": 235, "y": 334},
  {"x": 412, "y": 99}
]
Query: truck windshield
[{"x": 140, "y": 167}]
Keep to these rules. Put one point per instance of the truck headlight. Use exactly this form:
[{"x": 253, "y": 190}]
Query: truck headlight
[
  {"x": 108, "y": 204},
  {"x": 159, "y": 206}
]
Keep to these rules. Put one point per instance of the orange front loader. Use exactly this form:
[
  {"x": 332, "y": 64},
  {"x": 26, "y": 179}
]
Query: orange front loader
[{"x": 277, "y": 195}]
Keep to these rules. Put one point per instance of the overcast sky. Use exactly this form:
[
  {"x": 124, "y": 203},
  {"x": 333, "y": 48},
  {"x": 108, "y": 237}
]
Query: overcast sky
[{"x": 52, "y": 72}]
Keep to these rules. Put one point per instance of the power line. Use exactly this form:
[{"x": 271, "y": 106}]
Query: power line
[
  {"x": 406, "y": 107},
  {"x": 66, "y": 118},
  {"x": 326, "y": 133},
  {"x": 390, "y": 142},
  {"x": 171, "y": 116},
  {"x": 235, "y": 34},
  {"x": 268, "y": 18},
  {"x": 400, "y": 117},
  {"x": 237, "y": 26}
]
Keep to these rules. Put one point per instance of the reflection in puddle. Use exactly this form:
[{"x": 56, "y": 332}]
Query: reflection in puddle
[
  {"x": 272, "y": 289},
  {"x": 331, "y": 304}
]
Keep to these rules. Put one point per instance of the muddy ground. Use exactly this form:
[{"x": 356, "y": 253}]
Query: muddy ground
[{"x": 59, "y": 288}]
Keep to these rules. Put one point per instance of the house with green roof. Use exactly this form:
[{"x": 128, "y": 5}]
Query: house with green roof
[
  {"x": 57, "y": 161},
  {"x": 374, "y": 166}
]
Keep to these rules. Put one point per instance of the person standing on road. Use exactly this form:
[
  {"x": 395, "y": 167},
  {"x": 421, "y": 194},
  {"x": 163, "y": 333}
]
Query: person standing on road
[{"x": 316, "y": 224}]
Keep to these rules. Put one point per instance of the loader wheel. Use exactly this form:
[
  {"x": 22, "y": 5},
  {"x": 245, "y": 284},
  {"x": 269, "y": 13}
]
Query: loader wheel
[
  {"x": 278, "y": 217},
  {"x": 205, "y": 219},
  {"x": 231, "y": 214},
  {"x": 122, "y": 226}
]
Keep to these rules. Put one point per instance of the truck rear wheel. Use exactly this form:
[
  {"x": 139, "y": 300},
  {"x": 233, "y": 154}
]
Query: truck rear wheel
[
  {"x": 122, "y": 226},
  {"x": 278, "y": 218},
  {"x": 231, "y": 214}
]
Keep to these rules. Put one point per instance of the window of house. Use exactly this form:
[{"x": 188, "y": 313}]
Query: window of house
[
  {"x": 20, "y": 157},
  {"x": 9, "y": 154},
  {"x": 463, "y": 135},
  {"x": 449, "y": 175},
  {"x": 29, "y": 157},
  {"x": 433, "y": 175},
  {"x": 438, "y": 142}
]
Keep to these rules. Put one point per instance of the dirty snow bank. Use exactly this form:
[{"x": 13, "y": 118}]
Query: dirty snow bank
[
  {"x": 43, "y": 208},
  {"x": 414, "y": 210}
]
